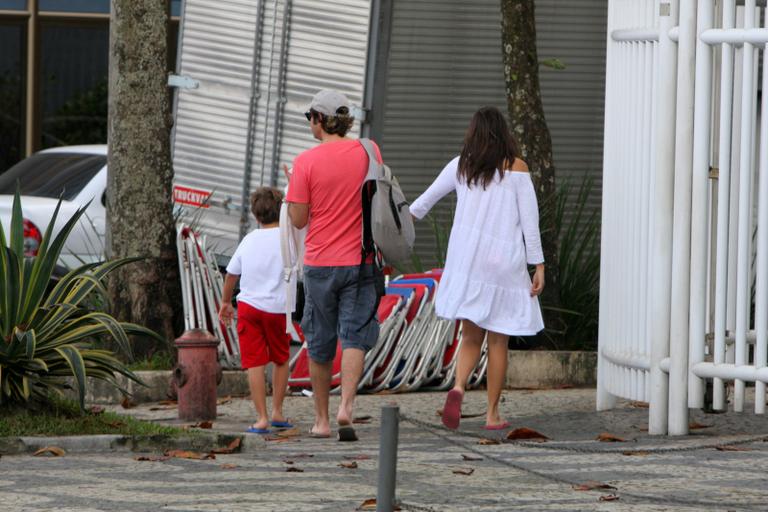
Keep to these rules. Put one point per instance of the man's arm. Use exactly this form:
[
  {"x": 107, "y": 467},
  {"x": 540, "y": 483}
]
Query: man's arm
[{"x": 299, "y": 214}]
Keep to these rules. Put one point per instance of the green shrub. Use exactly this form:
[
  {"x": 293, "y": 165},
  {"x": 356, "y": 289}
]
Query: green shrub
[{"x": 49, "y": 335}]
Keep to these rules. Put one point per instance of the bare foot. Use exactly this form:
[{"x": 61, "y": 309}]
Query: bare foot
[
  {"x": 261, "y": 424},
  {"x": 317, "y": 431},
  {"x": 344, "y": 416}
]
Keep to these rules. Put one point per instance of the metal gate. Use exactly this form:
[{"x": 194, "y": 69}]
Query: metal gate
[{"x": 684, "y": 289}]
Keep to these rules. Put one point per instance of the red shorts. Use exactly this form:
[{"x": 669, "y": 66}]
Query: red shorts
[{"x": 262, "y": 337}]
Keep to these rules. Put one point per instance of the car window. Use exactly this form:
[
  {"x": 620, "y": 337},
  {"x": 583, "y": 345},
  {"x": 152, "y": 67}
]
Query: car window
[{"x": 52, "y": 174}]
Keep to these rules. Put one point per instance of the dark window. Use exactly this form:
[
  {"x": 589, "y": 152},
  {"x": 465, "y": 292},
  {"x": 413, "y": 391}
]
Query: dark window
[
  {"x": 52, "y": 174},
  {"x": 12, "y": 67},
  {"x": 13, "y": 5},
  {"x": 98, "y": 6},
  {"x": 73, "y": 83}
]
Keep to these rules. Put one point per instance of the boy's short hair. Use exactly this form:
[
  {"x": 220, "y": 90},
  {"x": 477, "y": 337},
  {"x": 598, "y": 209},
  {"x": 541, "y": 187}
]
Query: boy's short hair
[{"x": 265, "y": 204}]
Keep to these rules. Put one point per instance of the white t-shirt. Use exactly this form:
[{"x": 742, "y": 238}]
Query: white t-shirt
[{"x": 259, "y": 264}]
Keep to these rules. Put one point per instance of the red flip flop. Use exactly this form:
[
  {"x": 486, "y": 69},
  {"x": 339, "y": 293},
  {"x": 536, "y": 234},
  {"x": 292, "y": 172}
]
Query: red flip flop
[
  {"x": 500, "y": 426},
  {"x": 452, "y": 409}
]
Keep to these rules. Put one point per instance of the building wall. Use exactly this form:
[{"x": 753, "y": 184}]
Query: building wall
[{"x": 445, "y": 61}]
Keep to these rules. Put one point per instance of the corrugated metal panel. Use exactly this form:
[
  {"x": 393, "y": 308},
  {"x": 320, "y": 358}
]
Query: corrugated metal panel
[
  {"x": 303, "y": 46},
  {"x": 327, "y": 48},
  {"x": 574, "y": 98},
  {"x": 211, "y": 123},
  {"x": 445, "y": 61}
]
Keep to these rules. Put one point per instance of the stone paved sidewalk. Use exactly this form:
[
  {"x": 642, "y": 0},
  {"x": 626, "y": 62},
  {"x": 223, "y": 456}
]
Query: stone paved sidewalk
[{"x": 509, "y": 477}]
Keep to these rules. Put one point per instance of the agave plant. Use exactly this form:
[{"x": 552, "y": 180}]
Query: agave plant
[{"x": 47, "y": 335}]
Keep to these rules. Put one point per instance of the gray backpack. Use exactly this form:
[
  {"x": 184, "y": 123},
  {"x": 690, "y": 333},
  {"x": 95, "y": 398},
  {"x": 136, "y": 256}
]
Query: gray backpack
[{"x": 387, "y": 221}]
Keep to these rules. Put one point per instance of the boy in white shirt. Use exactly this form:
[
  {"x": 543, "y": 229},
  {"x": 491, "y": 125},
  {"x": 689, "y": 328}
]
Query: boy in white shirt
[{"x": 261, "y": 309}]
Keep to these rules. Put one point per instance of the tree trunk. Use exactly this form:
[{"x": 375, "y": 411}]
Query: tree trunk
[
  {"x": 521, "y": 76},
  {"x": 139, "y": 186}
]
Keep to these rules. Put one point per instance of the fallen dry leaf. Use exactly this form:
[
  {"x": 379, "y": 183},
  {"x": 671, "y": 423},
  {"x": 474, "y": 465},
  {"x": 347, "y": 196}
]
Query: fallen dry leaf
[
  {"x": 165, "y": 408},
  {"x": 50, "y": 450},
  {"x": 526, "y": 433},
  {"x": 301, "y": 456},
  {"x": 294, "y": 469},
  {"x": 605, "y": 437},
  {"x": 286, "y": 461},
  {"x": 357, "y": 457},
  {"x": 291, "y": 432},
  {"x": 466, "y": 472},
  {"x": 609, "y": 497},
  {"x": 186, "y": 454},
  {"x": 638, "y": 404},
  {"x": 348, "y": 465},
  {"x": 563, "y": 386},
  {"x": 639, "y": 453},
  {"x": 203, "y": 424},
  {"x": 127, "y": 403},
  {"x": 591, "y": 485},
  {"x": 732, "y": 448},
  {"x": 151, "y": 458},
  {"x": 228, "y": 466},
  {"x": 230, "y": 448},
  {"x": 470, "y": 458},
  {"x": 168, "y": 402},
  {"x": 696, "y": 426},
  {"x": 116, "y": 424},
  {"x": 96, "y": 409},
  {"x": 369, "y": 504},
  {"x": 486, "y": 441},
  {"x": 362, "y": 420},
  {"x": 224, "y": 400}
]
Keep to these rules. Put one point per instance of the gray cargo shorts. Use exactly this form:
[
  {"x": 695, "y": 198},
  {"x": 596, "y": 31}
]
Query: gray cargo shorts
[{"x": 340, "y": 303}]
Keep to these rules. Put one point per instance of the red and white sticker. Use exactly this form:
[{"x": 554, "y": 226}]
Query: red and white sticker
[{"x": 191, "y": 196}]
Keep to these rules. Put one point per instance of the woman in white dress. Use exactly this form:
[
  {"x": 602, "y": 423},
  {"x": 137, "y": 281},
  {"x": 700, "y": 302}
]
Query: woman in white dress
[{"x": 495, "y": 236}]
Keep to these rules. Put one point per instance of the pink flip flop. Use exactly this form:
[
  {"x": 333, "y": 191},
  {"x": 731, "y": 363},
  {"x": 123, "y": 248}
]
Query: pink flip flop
[
  {"x": 452, "y": 409},
  {"x": 500, "y": 426}
]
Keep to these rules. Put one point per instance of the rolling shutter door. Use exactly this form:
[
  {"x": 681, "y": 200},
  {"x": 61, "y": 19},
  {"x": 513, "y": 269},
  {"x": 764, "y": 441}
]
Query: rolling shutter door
[{"x": 445, "y": 61}]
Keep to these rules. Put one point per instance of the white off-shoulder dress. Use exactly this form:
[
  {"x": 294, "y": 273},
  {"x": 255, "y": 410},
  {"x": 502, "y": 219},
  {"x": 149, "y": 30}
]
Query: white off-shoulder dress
[{"x": 495, "y": 233}]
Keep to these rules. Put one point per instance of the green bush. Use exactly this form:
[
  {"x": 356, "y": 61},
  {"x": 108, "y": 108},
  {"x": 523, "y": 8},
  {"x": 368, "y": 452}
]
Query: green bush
[{"x": 49, "y": 335}]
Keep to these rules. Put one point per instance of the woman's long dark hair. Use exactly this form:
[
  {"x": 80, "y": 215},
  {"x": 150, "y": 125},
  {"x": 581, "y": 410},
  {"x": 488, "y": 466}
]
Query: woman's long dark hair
[{"x": 488, "y": 145}]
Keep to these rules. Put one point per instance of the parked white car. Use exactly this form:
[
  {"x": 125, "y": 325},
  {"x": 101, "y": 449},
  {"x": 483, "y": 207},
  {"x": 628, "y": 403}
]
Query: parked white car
[{"x": 77, "y": 175}]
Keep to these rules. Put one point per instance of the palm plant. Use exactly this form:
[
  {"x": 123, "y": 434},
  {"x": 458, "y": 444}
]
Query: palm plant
[{"x": 47, "y": 335}]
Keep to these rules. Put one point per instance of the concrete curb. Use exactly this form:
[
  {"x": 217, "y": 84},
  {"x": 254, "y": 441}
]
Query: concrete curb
[{"x": 200, "y": 441}]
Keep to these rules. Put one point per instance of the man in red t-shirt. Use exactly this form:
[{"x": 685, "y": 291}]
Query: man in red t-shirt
[{"x": 339, "y": 279}]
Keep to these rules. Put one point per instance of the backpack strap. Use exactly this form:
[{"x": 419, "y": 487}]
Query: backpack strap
[{"x": 373, "y": 160}]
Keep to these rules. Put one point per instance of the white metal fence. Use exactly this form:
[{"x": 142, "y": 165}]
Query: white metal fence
[{"x": 684, "y": 290}]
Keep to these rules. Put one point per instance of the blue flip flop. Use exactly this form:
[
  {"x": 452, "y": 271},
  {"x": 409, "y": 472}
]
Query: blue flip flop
[
  {"x": 282, "y": 424},
  {"x": 254, "y": 430}
]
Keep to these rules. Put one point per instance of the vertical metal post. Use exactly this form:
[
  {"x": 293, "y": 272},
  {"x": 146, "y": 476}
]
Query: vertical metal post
[
  {"x": 31, "y": 109},
  {"x": 661, "y": 242},
  {"x": 744, "y": 234},
  {"x": 723, "y": 205},
  {"x": 606, "y": 400},
  {"x": 702, "y": 124},
  {"x": 385, "y": 497},
  {"x": 761, "y": 292}
]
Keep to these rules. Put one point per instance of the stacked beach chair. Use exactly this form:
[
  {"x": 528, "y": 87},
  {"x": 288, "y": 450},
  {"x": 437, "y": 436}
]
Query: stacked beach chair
[{"x": 416, "y": 348}]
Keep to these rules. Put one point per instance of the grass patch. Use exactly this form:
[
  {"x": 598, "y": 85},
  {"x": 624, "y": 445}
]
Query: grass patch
[
  {"x": 158, "y": 361},
  {"x": 64, "y": 418}
]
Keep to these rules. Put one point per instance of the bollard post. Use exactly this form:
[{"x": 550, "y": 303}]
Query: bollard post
[{"x": 385, "y": 496}]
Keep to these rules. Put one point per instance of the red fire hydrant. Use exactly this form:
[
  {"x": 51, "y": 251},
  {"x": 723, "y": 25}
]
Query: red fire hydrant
[{"x": 197, "y": 375}]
